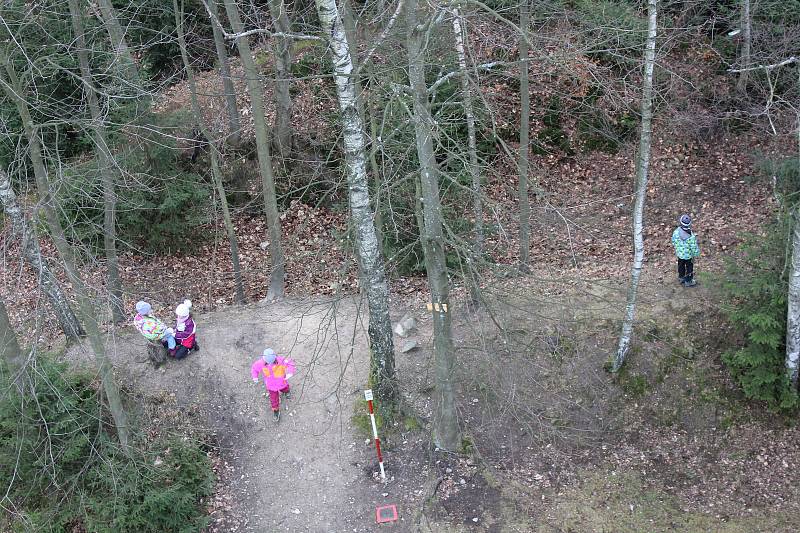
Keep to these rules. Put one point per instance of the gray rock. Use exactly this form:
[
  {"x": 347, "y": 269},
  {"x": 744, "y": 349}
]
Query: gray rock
[{"x": 409, "y": 346}]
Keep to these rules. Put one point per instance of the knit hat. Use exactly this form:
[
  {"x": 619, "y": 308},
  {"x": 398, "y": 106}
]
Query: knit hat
[
  {"x": 182, "y": 311},
  {"x": 269, "y": 356},
  {"x": 143, "y": 308},
  {"x": 686, "y": 221}
]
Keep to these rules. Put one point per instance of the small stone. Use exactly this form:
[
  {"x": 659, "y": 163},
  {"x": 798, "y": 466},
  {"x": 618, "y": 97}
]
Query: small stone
[
  {"x": 295, "y": 511},
  {"x": 409, "y": 346},
  {"x": 475, "y": 519},
  {"x": 448, "y": 470},
  {"x": 400, "y": 330},
  {"x": 263, "y": 245}
]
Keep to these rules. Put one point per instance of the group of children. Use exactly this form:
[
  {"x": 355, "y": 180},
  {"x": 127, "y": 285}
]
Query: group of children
[{"x": 182, "y": 339}]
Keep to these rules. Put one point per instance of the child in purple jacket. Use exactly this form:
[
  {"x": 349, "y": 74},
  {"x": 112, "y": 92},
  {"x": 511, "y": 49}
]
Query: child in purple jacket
[{"x": 185, "y": 331}]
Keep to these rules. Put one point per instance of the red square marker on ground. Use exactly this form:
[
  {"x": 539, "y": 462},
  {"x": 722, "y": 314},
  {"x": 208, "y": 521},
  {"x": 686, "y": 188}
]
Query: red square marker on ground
[{"x": 386, "y": 513}]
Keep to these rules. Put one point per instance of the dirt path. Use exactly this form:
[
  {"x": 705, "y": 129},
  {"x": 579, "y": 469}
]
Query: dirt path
[{"x": 310, "y": 472}]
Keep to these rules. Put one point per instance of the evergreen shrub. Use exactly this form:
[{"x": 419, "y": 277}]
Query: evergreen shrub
[{"x": 62, "y": 470}]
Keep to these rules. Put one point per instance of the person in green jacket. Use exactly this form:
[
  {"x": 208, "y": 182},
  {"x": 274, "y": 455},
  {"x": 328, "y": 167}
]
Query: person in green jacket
[{"x": 685, "y": 242}]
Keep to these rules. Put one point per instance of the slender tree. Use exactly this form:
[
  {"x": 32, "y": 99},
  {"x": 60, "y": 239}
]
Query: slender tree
[
  {"x": 216, "y": 172},
  {"x": 10, "y": 352},
  {"x": 382, "y": 374},
  {"x": 32, "y": 253},
  {"x": 118, "y": 42},
  {"x": 86, "y": 312},
  {"x": 524, "y": 141},
  {"x": 234, "y": 123},
  {"x": 793, "y": 297},
  {"x": 446, "y": 428},
  {"x": 108, "y": 168},
  {"x": 276, "y": 284},
  {"x": 744, "y": 56},
  {"x": 642, "y": 168},
  {"x": 282, "y": 138}
]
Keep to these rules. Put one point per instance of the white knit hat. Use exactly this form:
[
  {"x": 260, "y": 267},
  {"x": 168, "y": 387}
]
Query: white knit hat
[{"x": 182, "y": 311}]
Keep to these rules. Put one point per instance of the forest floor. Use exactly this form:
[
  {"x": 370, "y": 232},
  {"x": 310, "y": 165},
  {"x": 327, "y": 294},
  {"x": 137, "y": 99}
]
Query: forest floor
[{"x": 553, "y": 442}]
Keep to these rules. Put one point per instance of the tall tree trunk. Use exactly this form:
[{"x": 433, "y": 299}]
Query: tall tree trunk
[
  {"x": 107, "y": 166},
  {"x": 793, "y": 297},
  {"x": 10, "y": 352},
  {"x": 216, "y": 172},
  {"x": 382, "y": 373},
  {"x": 276, "y": 284},
  {"x": 446, "y": 428},
  {"x": 472, "y": 147},
  {"x": 744, "y": 56},
  {"x": 31, "y": 251},
  {"x": 282, "y": 135},
  {"x": 524, "y": 141},
  {"x": 86, "y": 311},
  {"x": 234, "y": 124},
  {"x": 117, "y": 36},
  {"x": 642, "y": 168}
]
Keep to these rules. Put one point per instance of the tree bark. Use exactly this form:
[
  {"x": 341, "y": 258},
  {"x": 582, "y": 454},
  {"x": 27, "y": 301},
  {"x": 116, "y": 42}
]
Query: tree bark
[
  {"x": 793, "y": 297},
  {"x": 107, "y": 166},
  {"x": 446, "y": 428},
  {"x": 472, "y": 148},
  {"x": 10, "y": 352},
  {"x": 31, "y": 251},
  {"x": 234, "y": 124},
  {"x": 744, "y": 57},
  {"x": 282, "y": 138},
  {"x": 524, "y": 141},
  {"x": 276, "y": 285},
  {"x": 117, "y": 36},
  {"x": 373, "y": 276},
  {"x": 642, "y": 168},
  {"x": 216, "y": 172},
  {"x": 86, "y": 312}
]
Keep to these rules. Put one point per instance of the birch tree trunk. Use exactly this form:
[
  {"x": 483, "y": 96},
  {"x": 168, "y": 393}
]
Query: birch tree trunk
[
  {"x": 473, "y": 166},
  {"x": 10, "y": 351},
  {"x": 107, "y": 166},
  {"x": 234, "y": 124},
  {"x": 642, "y": 168},
  {"x": 282, "y": 138},
  {"x": 744, "y": 56},
  {"x": 86, "y": 312},
  {"x": 276, "y": 283},
  {"x": 31, "y": 251},
  {"x": 524, "y": 141},
  {"x": 446, "y": 429},
  {"x": 793, "y": 308},
  {"x": 216, "y": 172},
  {"x": 373, "y": 276},
  {"x": 793, "y": 297}
]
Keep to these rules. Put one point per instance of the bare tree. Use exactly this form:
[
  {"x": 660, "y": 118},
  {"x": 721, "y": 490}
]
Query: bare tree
[
  {"x": 108, "y": 168},
  {"x": 32, "y": 253},
  {"x": 744, "y": 57},
  {"x": 446, "y": 428},
  {"x": 793, "y": 297},
  {"x": 642, "y": 168},
  {"x": 524, "y": 141},
  {"x": 118, "y": 42},
  {"x": 86, "y": 312},
  {"x": 373, "y": 276},
  {"x": 282, "y": 138},
  {"x": 234, "y": 124},
  {"x": 276, "y": 284},
  {"x": 216, "y": 172},
  {"x": 10, "y": 351},
  {"x": 472, "y": 144}
]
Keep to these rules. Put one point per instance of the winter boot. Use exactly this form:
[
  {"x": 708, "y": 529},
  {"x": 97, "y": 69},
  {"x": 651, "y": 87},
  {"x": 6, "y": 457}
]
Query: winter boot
[
  {"x": 689, "y": 283},
  {"x": 286, "y": 395},
  {"x": 276, "y": 416},
  {"x": 196, "y": 346}
]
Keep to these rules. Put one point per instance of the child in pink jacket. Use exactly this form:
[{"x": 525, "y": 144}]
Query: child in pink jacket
[{"x": 275, "y": 371}]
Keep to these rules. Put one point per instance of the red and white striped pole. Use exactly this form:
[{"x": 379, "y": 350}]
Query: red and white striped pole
[{"x": 368, "y": 397}]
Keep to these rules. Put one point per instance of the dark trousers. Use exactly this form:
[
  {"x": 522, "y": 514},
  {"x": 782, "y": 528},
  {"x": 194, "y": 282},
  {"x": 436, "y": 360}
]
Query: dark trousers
[{"x": 685, "y": 269}]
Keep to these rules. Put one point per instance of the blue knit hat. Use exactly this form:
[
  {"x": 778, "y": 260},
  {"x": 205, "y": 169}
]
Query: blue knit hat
[
  {"x": 143, "y": 308},
  {"x": 269, "y": 356},
  {"x": 686, "y": 221}
]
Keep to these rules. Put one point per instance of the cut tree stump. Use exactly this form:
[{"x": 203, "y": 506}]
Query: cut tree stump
[{"x": 156, "y": 353}]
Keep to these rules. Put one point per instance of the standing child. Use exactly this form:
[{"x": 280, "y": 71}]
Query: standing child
[
  {"x": 276, "y": 371},
  {"x": 686, "y": 248},
  {"x": 185, "y": 330},
  {"x": 152, "y": 328}
]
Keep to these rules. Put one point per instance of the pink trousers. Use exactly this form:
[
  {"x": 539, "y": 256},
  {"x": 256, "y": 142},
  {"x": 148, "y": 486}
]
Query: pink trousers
[{"x": 275, "y": 398}]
